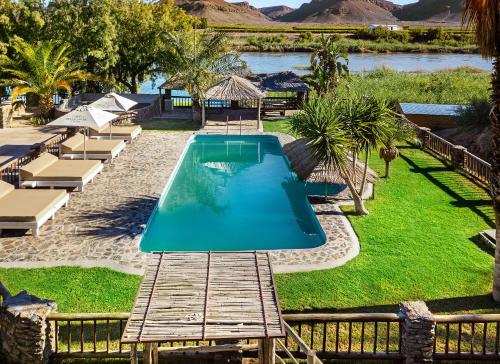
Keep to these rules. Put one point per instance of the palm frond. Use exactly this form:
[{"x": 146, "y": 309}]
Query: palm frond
[{"x": 484, "y": 17}]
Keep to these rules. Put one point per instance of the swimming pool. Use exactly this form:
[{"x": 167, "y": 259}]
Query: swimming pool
[{"x": 233, "y": 193}]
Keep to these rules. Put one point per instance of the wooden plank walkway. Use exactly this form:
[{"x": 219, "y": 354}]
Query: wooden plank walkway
[{"x": 205, "y": 296}]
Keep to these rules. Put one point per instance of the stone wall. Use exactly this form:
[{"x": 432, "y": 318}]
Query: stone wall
[
  {"x": 418, "y": 333},
  {"x": 25, "y": 333}
]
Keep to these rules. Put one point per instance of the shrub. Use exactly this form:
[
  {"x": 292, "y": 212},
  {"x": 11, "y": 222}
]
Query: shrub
[
  {"x": 382, "y": 33},
  {"x": 475, "y": 114},
  {"x": 305, "y": 37}
]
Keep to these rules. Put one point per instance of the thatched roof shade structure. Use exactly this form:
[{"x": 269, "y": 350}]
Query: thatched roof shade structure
[
  {"x": 311, "y": 171},
  {"x": 234, "y": 88},
  {"x": 280, "y": 82}
]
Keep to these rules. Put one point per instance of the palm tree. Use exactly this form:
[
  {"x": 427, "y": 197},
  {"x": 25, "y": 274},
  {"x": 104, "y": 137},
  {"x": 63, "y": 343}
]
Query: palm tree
[
  {"x": 484, "y": 17},
  {"x": 321, "y": 126},
  {"x": 329, "y": 63},
  {"x": 43, "y": 69},
  {"x": 396, "y": 133},
  {"x": 198, "y": 60}
]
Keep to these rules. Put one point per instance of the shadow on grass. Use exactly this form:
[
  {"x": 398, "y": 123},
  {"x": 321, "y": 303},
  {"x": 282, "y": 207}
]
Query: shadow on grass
[
  {"x": 449, "y": 181},
  {"x": 437, "y": 306},
  {"x": 127, "y": 219}
]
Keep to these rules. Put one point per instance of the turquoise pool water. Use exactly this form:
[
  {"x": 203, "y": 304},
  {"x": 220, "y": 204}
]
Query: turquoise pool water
[{"x": 233, "y": 193}]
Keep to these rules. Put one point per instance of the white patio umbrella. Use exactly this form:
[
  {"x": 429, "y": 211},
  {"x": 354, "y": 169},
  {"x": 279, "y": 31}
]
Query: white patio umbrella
[
  {"x": 113, "y": 102},
  {"x": 84, "y": 117}
]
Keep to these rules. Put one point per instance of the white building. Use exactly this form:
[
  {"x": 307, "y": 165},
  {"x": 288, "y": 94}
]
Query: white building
[{"x": 387, "y": 26}]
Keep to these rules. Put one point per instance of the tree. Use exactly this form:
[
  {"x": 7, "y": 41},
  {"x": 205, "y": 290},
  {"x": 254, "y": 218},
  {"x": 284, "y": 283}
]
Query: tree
[
  {"x": 122, "y": 41},
  {"x": 328, "y": 141},
  {"x": 141, "y": 27},
  {"x": 199, "y": 59},
  {"x": 329, "y": 63},
  {"x": 484, "y": 17},
  {"x": 24, "y": 18},
  {"x": 366, "y": 119},
  {"x": 396, "y": 133},
  {"x": 42, "y": 69},
  {"x": 90, "y": 27}
]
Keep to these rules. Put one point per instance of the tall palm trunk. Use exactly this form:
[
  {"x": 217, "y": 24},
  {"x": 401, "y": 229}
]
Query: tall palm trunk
[
  {"x": 357, "y": 199},
  {"x": 495, "y": 183}
]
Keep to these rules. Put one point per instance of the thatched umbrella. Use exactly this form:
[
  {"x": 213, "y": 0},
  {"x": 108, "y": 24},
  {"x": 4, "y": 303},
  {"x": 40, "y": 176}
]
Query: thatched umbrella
[
  {"x": 309, "y": 170},
  {"x": 235, "y": 88}
]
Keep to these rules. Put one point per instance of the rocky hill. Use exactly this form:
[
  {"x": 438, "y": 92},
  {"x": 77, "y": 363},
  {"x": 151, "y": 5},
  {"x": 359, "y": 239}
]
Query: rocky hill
[
  {"x": 344, "y": 12},
  {"x": 222, "y": 12},
  {"x": 432, "y": 10},
  {"x": 276, "y": 12}
]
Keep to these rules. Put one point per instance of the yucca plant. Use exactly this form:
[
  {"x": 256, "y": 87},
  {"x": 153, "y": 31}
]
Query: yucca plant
[
  {"x": 43, "y": 69},
  {"x": 328, "y": 142},
  {"x": 484, "y": 17},
  {"x": 395, "y": 134},
  {"x": 367, "y": 120}
]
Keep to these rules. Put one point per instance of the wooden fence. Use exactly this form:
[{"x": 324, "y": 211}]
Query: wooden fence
[
  {"x": 288, "y": 103},
  {"x": 10, "y": 172},
  {"x": 455, "y": 155},
  {"x": 364, "y": 336}
]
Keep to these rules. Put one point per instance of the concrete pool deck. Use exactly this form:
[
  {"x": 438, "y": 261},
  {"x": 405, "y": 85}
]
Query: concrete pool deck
[{"x": 102, "y": 226}]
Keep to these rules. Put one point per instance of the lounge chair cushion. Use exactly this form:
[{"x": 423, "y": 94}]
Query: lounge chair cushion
[
  {"x": 74, "y": 145},
  {"x": 28, "y": 205},
  {"x": 117, "y": 130},
  {"x": 38, "y": 165},
  {"x": 67, "y": 170},
  {"x": 5, "y": 188}
]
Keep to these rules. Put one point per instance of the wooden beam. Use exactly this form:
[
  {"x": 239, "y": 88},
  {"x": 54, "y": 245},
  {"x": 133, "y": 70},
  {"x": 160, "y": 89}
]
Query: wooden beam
[
  {"x": 267, "y": 351},
  {"x": 208, "y": 349}
]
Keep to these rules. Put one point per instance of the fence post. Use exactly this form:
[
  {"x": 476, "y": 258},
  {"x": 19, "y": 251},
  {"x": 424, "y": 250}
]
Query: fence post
[
  {"x": 26, "y": 335},
  {"x": 423, "y": 136},
  {"x": 418, "y": 332},
  {"x": 458, "y": 156}
]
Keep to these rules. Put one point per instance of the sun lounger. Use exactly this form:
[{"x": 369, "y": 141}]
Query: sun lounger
[
  {"x": 127, "y": 133},
  {"x": 49, "y": 171},
  {"x": 28, "y": 209},
  {"x": 96, "y": 149}
]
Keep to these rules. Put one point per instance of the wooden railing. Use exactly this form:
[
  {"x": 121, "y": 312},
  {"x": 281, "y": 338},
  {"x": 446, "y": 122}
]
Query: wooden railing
[
  {"x": 467, "y": 337},
  {"x": 356, "y": 336},
  {"x": 314, "y": 337},
  {"x": 477, "y": 168},
  {"x": 269, "y": 103},
  {"x": 10, "y": 172},
  {"x": 89, "y": 335}
]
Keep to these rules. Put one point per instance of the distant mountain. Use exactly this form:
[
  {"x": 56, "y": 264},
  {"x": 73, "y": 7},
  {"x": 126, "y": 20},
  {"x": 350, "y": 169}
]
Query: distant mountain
[
  {"x": 222, "y": 12},
  {"x": 432, "y": 10},
  {"x": 276, "y": 12},
  {"x": 344, "y": 12}
]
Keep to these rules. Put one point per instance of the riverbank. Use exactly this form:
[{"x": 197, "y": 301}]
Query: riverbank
[{"x": 307, "y": 42}]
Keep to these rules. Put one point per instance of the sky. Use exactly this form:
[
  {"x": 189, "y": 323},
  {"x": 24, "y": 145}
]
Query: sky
[{"x": 297, "y": 3}]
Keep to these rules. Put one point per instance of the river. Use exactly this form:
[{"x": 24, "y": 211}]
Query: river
[{"x": 265, "y": 62}]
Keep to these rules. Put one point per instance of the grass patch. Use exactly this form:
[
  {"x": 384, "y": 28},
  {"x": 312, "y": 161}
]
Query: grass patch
[
  {"x": 170, "y": 125},
  {"x": 76, "y": 289},
  {"x": 418, "y": 243}
]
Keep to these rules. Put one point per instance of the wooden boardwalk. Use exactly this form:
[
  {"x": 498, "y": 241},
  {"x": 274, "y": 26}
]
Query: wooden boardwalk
[{"x": 205, "y": 296}]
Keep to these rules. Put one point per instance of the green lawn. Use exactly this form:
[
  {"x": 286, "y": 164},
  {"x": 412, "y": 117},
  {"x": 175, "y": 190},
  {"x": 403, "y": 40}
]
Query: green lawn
[{"x": 419, "y": 242}]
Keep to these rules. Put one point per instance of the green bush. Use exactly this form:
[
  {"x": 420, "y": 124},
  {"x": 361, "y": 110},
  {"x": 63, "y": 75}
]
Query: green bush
[
  {"x": 305, "y": 37},
  {"x": 383, "y": 34}
]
